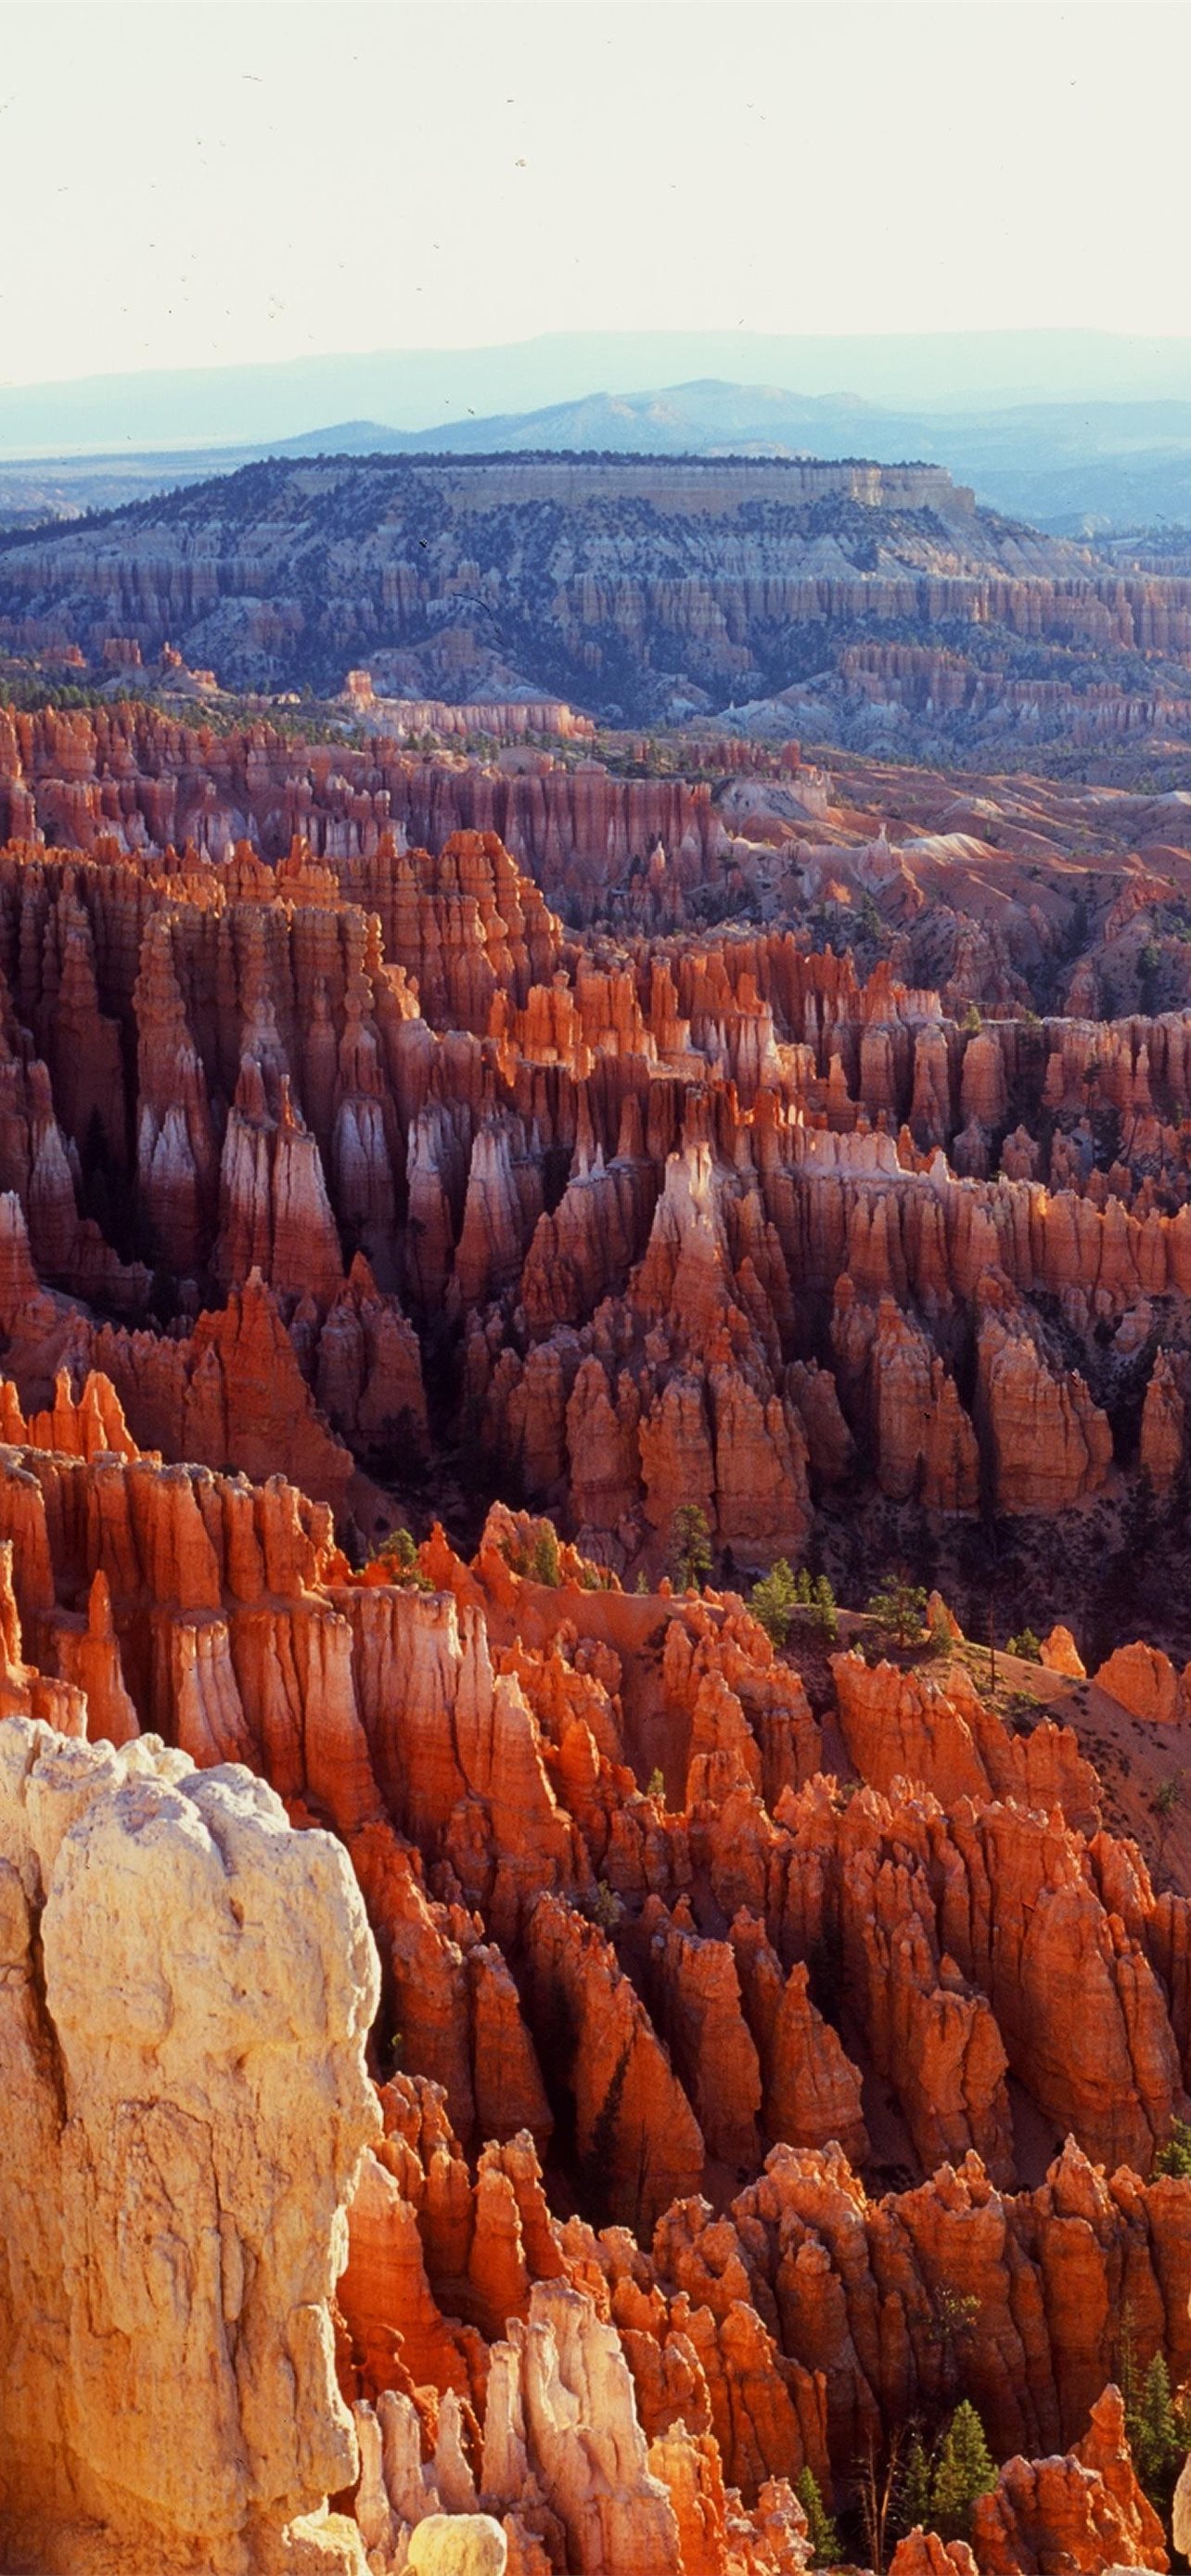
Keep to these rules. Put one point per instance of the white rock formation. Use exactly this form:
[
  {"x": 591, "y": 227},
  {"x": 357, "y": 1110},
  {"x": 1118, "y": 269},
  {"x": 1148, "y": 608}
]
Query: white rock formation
[{"x": 185, "y": 1988}]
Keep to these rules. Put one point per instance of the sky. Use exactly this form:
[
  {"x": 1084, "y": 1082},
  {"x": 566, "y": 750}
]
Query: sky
[{"x": 210, "y": 182}]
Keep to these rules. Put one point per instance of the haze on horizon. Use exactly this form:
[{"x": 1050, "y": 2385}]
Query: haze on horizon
[{"x": 198, "y": 184}]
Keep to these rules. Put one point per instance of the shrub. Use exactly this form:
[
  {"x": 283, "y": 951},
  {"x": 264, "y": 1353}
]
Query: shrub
[
  {"x": 545, "y": 1564},
  {"x": 781, "y": 1596},
  {"x": 540, "y": 1561},
  {"x": 1164, "y": 1806},
  {"x": 1027, "y": 1645},
  {"x": 655, "y": 1786},
  {"x": 399, "y": 1556},
  {"x": 606, "y": 1907},
  {"x": 1175, "y": 2156}
]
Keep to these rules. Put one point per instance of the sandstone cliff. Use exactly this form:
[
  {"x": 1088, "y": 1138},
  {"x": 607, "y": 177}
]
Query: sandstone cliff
[{"x": 178, "y": 2147}]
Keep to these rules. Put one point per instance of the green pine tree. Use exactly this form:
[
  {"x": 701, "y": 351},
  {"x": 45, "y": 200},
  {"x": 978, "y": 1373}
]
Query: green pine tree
[
  {"x": 964, "y": 2470},
  {"x": 915, "y": 2500},
  {"x": 690, "y": 1547},
  {"x": 1158, "y": 2433},
  {"x": 820, "y": 2529},
  {"x": 900, "y": 1608},
  {"x": 1126, "y": 2364},
  {"x": 824, "y": 1615},
  {"x": 773, "y": 1601},
  {"x": 544, "y": 1561}
]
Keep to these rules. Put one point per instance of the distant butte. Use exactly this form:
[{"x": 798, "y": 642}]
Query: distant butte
[{"x": 873, "y": 605}]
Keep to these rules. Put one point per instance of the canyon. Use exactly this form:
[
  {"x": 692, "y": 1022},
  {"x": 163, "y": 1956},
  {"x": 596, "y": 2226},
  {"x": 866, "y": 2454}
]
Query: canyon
[
  {"x": 519, "y": 2058},
  {"x": 857, "y": 1215}
]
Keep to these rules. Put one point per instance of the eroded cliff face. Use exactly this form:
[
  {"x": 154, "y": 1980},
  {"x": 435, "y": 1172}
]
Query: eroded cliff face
[
  {"x": 303, "y": 570},
  {"x": 187, "y": 1988},
  {"x": 804, "y": 594}
]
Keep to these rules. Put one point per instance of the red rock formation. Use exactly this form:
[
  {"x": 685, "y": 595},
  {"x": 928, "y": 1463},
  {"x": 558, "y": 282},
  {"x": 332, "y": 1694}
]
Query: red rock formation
[
  {"x": 1060, "y": 1654},
  {"x": 670, "y": 1216},
  {"x": 230, "y": 1394},
  {"x": 634, "y": 2127},
  {"x": 922, "y": 2553},
  {"x": 696, "y": 2001},
  {"x": 1049, "y": 1442},
  {"x": 1162, "y": 1426},
  {"x": 934, "y": 1728},
  {"x": 1145, "y": 1682},
  {"x": 1087, "y": 2511},
  {"x": 812, "y": 2092},
  {"x": 693, "y": 1282}
]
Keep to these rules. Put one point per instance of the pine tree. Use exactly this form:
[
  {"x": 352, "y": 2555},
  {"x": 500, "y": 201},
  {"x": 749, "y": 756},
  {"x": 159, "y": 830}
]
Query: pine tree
[
  {"x": 545, "y": 1564},
  {"x": 1157, "y": 2430},
  {"x": 772, "y": 1601},
  {"x": 820, "y": 2529},
  {"x": 915, "y": 2500},
  {"x": 824, "y": 1615},
  {"x": 964, "y": 2471},
  {"x": 690, "y": 1547},
  {"x": 1126, "y": 2363},
  {"x": 900, "y": 1608}
]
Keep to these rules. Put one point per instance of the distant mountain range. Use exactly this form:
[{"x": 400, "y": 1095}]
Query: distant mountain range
[
  {"x": 937, "y": 371},
  {"x": 1070, "y": 467}
]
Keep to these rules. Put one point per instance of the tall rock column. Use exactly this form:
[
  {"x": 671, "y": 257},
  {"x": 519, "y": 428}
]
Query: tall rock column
[{"x": 186, "y": 1991}]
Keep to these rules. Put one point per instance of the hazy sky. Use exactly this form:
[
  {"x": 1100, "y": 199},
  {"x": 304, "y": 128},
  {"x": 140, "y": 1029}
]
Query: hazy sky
[{"x": 191, "y": 182}]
